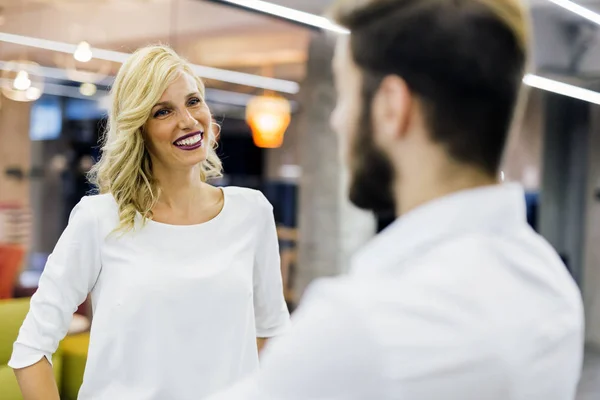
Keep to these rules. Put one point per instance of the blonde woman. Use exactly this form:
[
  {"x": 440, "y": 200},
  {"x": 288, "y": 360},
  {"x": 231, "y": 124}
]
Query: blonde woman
[{"x": 184, "y": 277}]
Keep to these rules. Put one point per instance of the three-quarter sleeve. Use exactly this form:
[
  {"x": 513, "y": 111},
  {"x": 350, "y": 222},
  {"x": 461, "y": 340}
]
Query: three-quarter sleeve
[
  {"x": 69, "y": 275},
  {"x": 270, "y": 309}
]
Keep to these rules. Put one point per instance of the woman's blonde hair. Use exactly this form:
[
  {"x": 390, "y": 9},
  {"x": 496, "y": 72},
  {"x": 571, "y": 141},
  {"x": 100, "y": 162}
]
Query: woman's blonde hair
[{"x": 125, "y": 167}]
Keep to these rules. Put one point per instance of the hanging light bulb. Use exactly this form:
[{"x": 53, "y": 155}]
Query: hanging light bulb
[
  {"x": 87, "y": 89},
  {"x": 83, "y": 52},
  {"x": 22, "y": 81},
  {"x": 268, "y": 117}
]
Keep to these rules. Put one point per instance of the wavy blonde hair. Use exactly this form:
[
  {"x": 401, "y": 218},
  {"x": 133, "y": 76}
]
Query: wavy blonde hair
[{"x": 125, "y": 167}]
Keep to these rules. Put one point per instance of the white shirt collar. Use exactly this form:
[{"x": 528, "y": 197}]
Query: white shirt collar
[{"x": 490, "y": 209}]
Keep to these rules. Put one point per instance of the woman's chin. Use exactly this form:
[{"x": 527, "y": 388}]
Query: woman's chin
[{"x": 193, "y": 158}]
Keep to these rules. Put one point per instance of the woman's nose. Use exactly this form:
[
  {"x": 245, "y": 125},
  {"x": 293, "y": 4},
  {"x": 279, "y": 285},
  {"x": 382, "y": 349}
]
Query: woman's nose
[{"x": 187, "y": 120}]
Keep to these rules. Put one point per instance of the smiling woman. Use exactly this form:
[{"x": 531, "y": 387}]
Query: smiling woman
[
  {"x": 148, "y": 117},
  {"x": 185, "y": 277}
]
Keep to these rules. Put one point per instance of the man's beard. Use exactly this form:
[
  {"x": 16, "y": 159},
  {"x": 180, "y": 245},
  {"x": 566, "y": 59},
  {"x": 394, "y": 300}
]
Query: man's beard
[{"x": 371, "y": 172}]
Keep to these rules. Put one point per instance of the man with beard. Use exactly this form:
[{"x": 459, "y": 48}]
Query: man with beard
[{"x": 458, "y": 299}]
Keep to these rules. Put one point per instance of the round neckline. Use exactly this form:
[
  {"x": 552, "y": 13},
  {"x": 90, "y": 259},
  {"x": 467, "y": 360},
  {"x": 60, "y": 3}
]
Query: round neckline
[{"x": 202, "y": 224}]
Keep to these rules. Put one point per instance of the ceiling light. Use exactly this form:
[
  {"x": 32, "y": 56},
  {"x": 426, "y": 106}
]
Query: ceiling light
[
  {"x": 578, "y": 9},
  {"x": 87, "y": 89},
  {"x": 213, "y": 96},
  {"x": 72, "y": 91},
  {"x": 22, "y": 81},
  {"x": 564, "y": 89},
  {"x": 277, "y": 85},
  {"x": 63, "y": 74},
  {"x": 33, "y": 93},
  {"x": 289, "y": 14},
  {"x": 83, "y": 52},
  {"x": 268, "y": 117}
]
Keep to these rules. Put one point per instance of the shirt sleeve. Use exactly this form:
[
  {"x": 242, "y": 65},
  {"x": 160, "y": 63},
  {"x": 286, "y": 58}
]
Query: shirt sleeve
[
  {"x": 270, "y": 309},
  {"x": 69, "y": 275},
  {"x": 328, "y": 354}
]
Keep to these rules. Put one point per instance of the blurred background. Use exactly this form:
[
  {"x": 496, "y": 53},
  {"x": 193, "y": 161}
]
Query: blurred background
[{"x": 269, "y": 83}]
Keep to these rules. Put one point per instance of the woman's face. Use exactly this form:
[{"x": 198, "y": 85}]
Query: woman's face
[{"x": 177, "y": 130}]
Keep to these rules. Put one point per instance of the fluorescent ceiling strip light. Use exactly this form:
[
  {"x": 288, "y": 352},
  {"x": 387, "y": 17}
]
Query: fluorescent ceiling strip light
[
  {"x": 241, "y": 99},
  {"x": 64, "y": 91},
  {"x": 60, "y": 73},
  {"x": 278, "y": 84},
  {"x": 239, "y": 78},
  {"x": 564, "y": 89},
  {"x": 289, "y": 13},
  {"x": 578, "y": 9},
  {"x": 70, "y": 91},
  {"x": 212, "y": 95}
]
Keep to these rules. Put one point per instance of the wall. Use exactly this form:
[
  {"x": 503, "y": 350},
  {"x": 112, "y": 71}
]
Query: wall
[
  {"x": 562, "y": 201},
  {"x": 591, "y": 271},
  {"x": 15, "y": 150}
]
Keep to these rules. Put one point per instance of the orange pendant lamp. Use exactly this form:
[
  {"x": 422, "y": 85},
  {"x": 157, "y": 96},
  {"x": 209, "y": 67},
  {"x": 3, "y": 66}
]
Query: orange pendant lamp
[{"x": 268, "y": 116}]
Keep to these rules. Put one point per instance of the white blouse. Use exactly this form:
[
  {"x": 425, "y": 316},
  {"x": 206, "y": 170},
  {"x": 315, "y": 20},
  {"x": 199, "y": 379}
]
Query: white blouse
[{"x": 177, "y": 309}]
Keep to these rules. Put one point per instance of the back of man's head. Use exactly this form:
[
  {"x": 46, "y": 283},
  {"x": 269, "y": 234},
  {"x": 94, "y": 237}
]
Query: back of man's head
[{"x": 462, "y": 59}]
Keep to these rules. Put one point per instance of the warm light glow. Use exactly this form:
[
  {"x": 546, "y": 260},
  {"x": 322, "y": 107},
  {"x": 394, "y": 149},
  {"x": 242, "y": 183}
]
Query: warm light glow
[
  {"x": 88, "y": 89},
  {"x": 268, "y": 117},
  {"x": 83, "y": 53},
  {"x": 22, "y": 81}
]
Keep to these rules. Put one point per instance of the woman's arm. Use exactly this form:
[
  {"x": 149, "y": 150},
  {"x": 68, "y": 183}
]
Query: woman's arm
[
  {"x": 270, "y": 309},
  {"x": 37, "y": 381},
  {"x": 69, "y": 275}
]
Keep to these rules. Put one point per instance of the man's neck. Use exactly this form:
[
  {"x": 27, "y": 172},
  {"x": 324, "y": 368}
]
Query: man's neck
[{"x": 413, "y": 192}]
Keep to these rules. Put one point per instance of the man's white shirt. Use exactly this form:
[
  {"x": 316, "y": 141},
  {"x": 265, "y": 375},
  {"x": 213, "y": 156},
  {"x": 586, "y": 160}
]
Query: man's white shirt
[{"x": 457, "y": 300}]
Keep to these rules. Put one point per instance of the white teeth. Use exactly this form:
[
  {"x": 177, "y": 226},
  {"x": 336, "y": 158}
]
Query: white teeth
[{"x": 190, "y": 141}]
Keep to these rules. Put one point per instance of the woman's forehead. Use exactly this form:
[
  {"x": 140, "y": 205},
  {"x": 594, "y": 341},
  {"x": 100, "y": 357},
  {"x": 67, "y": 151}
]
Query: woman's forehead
[{"x": 183, "y": 85}]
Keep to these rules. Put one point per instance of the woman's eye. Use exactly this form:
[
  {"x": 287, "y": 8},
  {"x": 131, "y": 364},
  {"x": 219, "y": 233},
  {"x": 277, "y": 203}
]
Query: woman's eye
[
  {"x": 194, "y": 101},
  {"x": 161, "y": 113}
]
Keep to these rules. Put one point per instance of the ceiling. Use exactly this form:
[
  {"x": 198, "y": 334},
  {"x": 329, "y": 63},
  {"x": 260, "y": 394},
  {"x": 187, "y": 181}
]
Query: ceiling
[{"x": 204, "y": 32}]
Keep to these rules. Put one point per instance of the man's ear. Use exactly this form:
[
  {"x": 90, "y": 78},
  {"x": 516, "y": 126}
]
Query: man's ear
[{"x": 391, "y": 108}]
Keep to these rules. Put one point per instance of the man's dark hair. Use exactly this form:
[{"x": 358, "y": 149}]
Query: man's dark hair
[{"x": 463, "y": 59}]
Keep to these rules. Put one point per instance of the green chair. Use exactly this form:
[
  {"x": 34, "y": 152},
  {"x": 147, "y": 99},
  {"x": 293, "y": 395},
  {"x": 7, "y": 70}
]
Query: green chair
[{"x": 74, "y": 351}]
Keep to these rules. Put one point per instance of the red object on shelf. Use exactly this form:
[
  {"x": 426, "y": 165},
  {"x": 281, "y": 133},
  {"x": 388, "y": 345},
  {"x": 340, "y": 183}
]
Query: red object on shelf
[{"x": 11, "y": 258}]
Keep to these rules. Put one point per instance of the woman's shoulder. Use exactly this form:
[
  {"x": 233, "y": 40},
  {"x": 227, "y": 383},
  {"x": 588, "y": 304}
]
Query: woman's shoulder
[
  {"x": 105, "y": 200},
  {"x": 246, "y": 196},
  {"x": 98, "y": 212},
  {"x": 100, "y": 205}
]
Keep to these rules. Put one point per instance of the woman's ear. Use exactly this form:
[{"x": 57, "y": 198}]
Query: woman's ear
[{"x": 215, "y": 129}]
